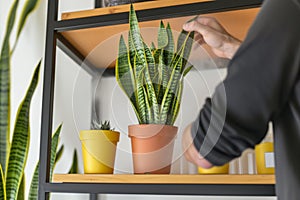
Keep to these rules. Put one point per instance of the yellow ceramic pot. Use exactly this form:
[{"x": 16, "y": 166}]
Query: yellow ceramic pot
[
  {"x": 264, "y": 155},
  {"x": 215, "y": 170},
  {"x": 99, "y": 150}
]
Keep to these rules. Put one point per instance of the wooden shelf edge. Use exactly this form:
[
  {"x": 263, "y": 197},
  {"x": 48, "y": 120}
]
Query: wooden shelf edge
[
  {"x": 125, "y": 8},
  {"x": 164, "y": 179}
]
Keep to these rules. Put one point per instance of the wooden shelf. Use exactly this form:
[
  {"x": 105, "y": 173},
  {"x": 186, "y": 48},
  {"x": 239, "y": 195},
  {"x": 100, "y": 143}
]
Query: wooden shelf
[
  {"x": 125, "y": 8},
  {"x": 100, "y": 45},
  {"x": 164, "y": 179}
]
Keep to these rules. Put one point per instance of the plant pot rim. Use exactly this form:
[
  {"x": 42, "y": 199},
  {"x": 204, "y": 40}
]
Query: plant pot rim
[
  {"x": 147, "y": 125},
  {"x": 150, "y": 130},
  {"x": 99, "y": 134}
]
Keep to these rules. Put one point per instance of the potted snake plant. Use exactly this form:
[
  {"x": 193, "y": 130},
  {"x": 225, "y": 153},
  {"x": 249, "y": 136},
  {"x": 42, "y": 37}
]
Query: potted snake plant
[
  {"x": 99, "y": 148},
  {"x": 152, "y": 78}
]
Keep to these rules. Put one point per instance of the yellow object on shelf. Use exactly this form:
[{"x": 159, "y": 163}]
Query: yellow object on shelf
[
  {"x": 264, "y": 154},
  {"x": 99, "y": 150},
  {"x": 215, "y": 170}
]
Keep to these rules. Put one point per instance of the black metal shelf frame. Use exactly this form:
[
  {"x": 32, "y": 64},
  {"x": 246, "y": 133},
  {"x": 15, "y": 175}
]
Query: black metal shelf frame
[{"x": 54, "y": 38}]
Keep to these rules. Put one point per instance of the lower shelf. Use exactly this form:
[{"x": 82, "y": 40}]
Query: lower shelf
[{"x": 164, "y": 179}]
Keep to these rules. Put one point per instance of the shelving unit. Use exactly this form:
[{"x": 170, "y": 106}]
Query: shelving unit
[{"x": 77, "y": 34}]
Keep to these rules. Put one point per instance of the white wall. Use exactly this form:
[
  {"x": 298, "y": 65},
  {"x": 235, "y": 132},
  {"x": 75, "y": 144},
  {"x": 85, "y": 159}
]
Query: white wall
[{"x": 73, "y": 99}]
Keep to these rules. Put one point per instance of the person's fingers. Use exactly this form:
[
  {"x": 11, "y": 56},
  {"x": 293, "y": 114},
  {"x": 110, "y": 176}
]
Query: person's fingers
[
  {"x": 212, "y": 22},
  {"x": 198, "y": 27},
  {"x": 199, "y": 39}
]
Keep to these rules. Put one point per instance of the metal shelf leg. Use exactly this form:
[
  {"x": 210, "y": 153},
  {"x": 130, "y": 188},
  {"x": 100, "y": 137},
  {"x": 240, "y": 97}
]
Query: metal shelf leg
[{"x": 94, "y": 196}]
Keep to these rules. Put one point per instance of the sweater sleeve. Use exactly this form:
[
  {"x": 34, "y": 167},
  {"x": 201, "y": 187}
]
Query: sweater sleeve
[{"x": 258, "y": 85}]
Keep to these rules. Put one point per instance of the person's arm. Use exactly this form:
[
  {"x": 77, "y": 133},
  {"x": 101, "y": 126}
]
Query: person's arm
[{"x": 260, "y": 79}]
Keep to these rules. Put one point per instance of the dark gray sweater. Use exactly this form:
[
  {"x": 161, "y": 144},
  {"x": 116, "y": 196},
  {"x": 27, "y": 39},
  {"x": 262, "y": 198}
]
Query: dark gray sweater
[{"x": 262, "y": 85}]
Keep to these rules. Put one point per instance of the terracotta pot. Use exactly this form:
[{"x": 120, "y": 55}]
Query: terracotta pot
[
  {"x": 152, "y": 147},
  {"x": 99, "y": 150},
  {"x": 215, "y": 170}
]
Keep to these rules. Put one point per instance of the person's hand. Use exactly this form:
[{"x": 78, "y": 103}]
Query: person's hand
[
  {"x": 209, "y": 31},
  {"x": 190, "y": 152}
]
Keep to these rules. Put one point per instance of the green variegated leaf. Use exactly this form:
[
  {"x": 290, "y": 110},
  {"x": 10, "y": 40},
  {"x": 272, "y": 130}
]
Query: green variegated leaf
[
  {"x": 131, "y": 50},
  {"x": 5, "y": 87},
  {"x": 187, "y": 70},
  {"x": 181, "y": 40},
  {"x": 148, "y": 109},
  {"x": 150, "y": 61},
  {"x": 135, "y": 36},
  {"x": 153, "y": 48},
  {"x": 59, "y": 154},
  {"x": 20, "y": 142},
  {"x": 54, "y": 144},
  {"x": 170, "y": 91},
  {"x": 162, "y": 39},
  {"x": 29, "y": 6},
  {"x": 167, "y": 116},
  {"x": 187, "y": 49},
  {"x": 149, "y": 77},
  {"x": 176, "y": 104},
  {"x": 160, "y": 69},
  {"x": 74, "y": 166},
  {"x": 169, "y": 50},
  {"x": 34, "y": 185},
  {"x": 139, "y": 81},
  {"x": 125, "y": 75},
  {"x": 2, "y": 185},
  {"x": 21, "y": 191}
]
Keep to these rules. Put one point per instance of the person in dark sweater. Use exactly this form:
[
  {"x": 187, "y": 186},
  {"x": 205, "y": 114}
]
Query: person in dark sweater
[{"x": 262, "y": 85}]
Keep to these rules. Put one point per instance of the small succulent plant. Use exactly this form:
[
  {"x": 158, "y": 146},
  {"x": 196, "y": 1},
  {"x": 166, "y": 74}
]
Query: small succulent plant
[{"x": 102, "y": 125}]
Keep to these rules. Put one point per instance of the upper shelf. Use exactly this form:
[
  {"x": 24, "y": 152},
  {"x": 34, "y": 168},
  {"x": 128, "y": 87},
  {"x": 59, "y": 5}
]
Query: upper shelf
[
  {"x": 125, "y": 8},
  {"x": 99, "y": 45}
]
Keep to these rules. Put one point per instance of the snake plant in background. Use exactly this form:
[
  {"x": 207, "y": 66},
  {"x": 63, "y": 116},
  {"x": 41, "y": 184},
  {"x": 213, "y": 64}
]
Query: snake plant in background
[
  {"x": 152, "y": 77},
  {"x": 13, "y": 154}
]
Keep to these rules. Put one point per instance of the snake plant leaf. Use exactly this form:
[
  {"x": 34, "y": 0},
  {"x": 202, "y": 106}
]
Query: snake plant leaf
[
  {"x": 162, "y": 39},
  {"x": 29, "y": 6},
  {"x": 181, "y": 40},
  {"x": 125, "y": 75},
  {"x": 150, "y": 72},
  {"x": 187, "y": 70},
  {"x": 185, "y": 43},
  {"x": 131, "y": 50},
  {"x": 153, "y": 48},
  {"x": 34, "y": 185},
  {"x": 54, "y": 144},
  {"x": 33, "y": 192},
  {"x": 2, "y": 185},
  {"x": 187, "y": 49},
  {"x": 150, "y": 61},
  {"x": 124, "y": 72},
  {"x": 170, "y": 91},
  {"x": 170, "y": 48},
  {"x": 160, "y": 71},
  {"x": 135, "y": 36},
  {"x": 176, "y": 103},
  {"x": 140, "y": 96},
  {"x": 148, "y": 109},
  {"x": 5, "y": 87},
  {"x": 74, "y": 166},
  {"x": 59, "y": 154},
  {"x": 21, "y": 191},
  {"x": 20, "y": 142}
]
